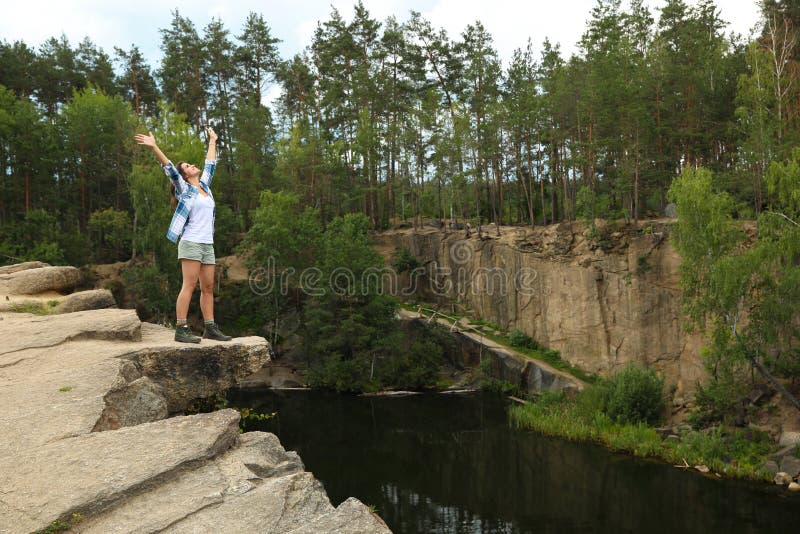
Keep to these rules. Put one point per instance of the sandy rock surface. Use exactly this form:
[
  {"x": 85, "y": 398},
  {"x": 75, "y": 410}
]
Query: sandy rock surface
[{"x": 86, "y": 430}]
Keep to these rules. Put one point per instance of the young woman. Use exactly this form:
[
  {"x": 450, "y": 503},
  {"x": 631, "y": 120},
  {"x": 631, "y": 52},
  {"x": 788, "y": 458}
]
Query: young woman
[{"x": 193, "y": 222}]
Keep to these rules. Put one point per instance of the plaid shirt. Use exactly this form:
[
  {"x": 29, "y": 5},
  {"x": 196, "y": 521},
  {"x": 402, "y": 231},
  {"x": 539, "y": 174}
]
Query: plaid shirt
[{"x": 186, "y": 195}]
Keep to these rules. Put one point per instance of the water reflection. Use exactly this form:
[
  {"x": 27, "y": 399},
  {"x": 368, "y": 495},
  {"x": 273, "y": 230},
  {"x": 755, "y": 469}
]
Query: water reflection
[{"x": 443, "y": 463}]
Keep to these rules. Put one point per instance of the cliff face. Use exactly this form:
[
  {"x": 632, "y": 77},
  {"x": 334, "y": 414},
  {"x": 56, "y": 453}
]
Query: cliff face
[{"x": 602, "y": 297}]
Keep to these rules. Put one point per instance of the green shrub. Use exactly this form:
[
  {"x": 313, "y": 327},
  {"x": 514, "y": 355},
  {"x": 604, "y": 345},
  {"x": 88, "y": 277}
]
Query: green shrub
[
  {"x": 151, "y": 293},
  {"x": 720, "y": 399},
  {"x": 341, "y": 375},
  {"x": 403, "y": 260},
  {"x": 732, "y": 451},
  {"x": 417, "y": 369},
  {"x": 634, "y": 395},
  {"x": 518, "y": 338},
  {"x": 642, "y": 266}
]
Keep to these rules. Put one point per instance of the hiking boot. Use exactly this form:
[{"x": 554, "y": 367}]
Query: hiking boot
[
  {"x": 212, "y": 331},
  {"x": 185, "y": 335}
]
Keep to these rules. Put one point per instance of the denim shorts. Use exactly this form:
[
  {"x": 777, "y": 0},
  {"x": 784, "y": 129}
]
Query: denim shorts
[{"x": 202, "y": 252}]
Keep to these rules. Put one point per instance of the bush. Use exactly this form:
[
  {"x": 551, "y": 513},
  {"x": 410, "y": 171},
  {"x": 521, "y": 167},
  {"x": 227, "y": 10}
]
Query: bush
[
  {"x": 518, "y": 338},
  {"x": 634, "y": 395},
  {"x": 149, "y": 289},
  {"x": 720, "y": 400},
  {"x": 342, "y": 375},
  {"x": 417, "y": 369},
  {"x": 404, "y": 261},
  {"x": 587, "y": 417}
]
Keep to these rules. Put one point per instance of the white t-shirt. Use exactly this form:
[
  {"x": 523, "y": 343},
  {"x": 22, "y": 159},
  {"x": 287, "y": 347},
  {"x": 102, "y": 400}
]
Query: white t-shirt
[{"x": 200, "y": 224}]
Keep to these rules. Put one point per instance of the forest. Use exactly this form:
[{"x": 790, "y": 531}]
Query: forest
[
  {"x": 398, "y": 121},
  {"x": 387, "y": 124}
]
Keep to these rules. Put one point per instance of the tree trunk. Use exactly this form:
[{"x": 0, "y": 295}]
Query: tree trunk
[{"x": 772, "y": 380}]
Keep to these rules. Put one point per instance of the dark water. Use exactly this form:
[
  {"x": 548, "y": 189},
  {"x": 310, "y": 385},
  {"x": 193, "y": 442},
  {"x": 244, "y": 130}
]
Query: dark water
[{"x": 448, "y": 463}]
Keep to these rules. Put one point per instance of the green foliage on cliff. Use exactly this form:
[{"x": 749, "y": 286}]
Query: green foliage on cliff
[{"x": 742, "y": 290}]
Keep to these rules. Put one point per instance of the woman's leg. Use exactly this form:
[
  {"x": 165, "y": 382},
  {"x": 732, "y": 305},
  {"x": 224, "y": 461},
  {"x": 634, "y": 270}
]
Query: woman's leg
[
  {"x": 207, "y": 291},
  {"x": 211, "y": 331},
  {"x": 191, "y": 272}
]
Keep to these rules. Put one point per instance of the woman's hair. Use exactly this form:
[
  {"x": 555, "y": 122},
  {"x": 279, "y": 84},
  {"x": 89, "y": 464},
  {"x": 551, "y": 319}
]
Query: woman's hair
[{"x": 173, "y": 200}]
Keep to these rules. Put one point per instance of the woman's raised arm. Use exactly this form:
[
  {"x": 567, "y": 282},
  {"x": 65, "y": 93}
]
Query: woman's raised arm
[
  {"x": 150, "y": 140},
  {"x": 211, "y": 155}
]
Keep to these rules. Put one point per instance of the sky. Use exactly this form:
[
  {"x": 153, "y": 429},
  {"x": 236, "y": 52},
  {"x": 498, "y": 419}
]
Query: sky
[{"x": 110, "y": 23}]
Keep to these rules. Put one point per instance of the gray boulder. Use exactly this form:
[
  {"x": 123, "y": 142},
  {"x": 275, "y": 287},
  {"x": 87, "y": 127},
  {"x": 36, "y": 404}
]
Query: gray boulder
[
  {"x": 790, "y": 464},
  {"x": 772, "y": 466},
  {"x": 8, "y": 269},
  {"x": 789, "y": 439},
  {"x": 94, "y": 299},
  {"x": 51, "y": 330},
  {"x": 782, "y": 479},
  {"x": 40, "y": 280}
]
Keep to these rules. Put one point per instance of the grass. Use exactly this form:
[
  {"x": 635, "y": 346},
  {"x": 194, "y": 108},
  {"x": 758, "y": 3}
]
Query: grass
[
  {"x": 62, "y": 526},
  {"x": 733, "y": 452},
  {"x": 65, "y": 389},
  {"x": 35, "y": 308}
]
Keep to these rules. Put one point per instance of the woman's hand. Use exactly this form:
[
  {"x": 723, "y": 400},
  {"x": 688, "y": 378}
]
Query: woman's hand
[
  {"x": 150, "y": 140},
  {"x": 212, "y": 135},
  {"x": 146, "y": 140}
]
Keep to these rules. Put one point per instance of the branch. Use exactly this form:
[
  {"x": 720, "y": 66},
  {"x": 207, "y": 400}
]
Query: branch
[
  {"x": 785, "y": 217},
  {"x": 766, "y": 374}
]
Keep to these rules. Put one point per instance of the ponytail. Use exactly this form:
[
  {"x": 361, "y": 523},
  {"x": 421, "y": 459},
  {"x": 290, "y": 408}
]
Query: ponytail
[{"x": 173, "y": 200}]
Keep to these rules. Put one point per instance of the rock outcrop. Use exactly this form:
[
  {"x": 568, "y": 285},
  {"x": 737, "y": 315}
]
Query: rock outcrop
[
  {"x": 39, "y": 287},
  {"x": 31, "y": 281},
  {"x": 93, "y": 299},
  {"x": 601, "y": 298},
  {"x": 504, "y": 364},
  {"x": 85, "y": 434}
]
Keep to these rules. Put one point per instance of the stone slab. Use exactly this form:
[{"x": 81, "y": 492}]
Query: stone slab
[{"x": 88, "y": 473}]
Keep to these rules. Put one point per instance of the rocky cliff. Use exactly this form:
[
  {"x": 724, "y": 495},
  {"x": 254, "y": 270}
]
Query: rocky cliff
[
  {"x": 602, "y": 297},
  {"x": 91, "y": 435}
]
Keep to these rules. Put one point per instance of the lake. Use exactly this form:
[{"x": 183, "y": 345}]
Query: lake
[{"x": 452, "y": 463}]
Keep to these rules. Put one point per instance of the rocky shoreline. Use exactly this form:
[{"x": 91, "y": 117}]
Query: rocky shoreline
[{"x": 92, "y": 440}]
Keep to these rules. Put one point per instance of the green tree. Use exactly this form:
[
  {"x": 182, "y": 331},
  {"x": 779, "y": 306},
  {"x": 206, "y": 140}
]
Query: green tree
[
  {"x": 253, "y": 155},
  {"x": 96, "y": 66},
  {"x": 18, "y": 68},
  {"x": 136, "y": 82},
  {"x": 110, "y": 234},
  {"x": 57, "y": 75},
  {"x": 282, "y": 243},
  {"x": 349, "y": 325},
  {"x": 256, "y": 58},
  {"x": 97, "y": 132},
  {"x": 733, "y": 290},
  {"x": 182, "y": 71}
]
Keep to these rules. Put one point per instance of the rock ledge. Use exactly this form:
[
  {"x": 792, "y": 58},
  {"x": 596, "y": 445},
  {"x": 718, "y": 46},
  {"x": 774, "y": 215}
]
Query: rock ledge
[{"x": 86, "y": 430}]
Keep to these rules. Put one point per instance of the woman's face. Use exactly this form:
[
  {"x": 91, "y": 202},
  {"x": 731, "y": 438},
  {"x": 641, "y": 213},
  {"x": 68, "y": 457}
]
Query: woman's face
[{"x": 188, "y": 170}]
